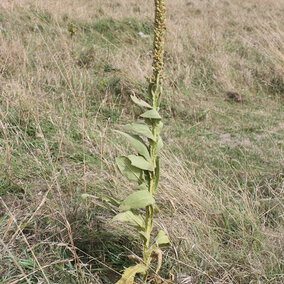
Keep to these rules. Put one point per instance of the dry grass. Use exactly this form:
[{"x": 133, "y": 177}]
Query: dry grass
[{"x": 222, "y": 181}]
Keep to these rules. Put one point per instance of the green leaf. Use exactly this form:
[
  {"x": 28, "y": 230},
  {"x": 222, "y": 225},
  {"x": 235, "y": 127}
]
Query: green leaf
[
  {"x": 151, "y": 90},
  {"x": 130, "y": 273},
  {"x": 150, "y": 250},
  {"x": 157, "y": 173},
  {"x": 143, "y": 234},
  {"x": 159, "y": 95},
  {"x": 139, "y": 128},
  {"x": 162, "y": 238},
  {"x": 136, "y": 200},
  {"x": 137, "y": 144},
  {"x": 102, "y": 198},
  {"x": 153, "y": 114},
  {"x": 160, "y": 144},
  {"x": 140, "y": 102},
  {"x": 130, "y": 172},
  {"x": 140, "y": 162},
  {"x": 154, "y": 89},
  {"x": 160, "y": 126},
  {"x": 130, "y": 218},
  {"x": 143, "y": 186},
  {"x": 110, "y": 200}
]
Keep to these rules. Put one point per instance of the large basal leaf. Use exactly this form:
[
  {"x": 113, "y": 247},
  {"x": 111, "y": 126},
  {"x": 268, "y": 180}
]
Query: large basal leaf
[
  {"x": 130, "y": 273},
  {"x": 129, "y": 171},
  {"x": 140, "y": 162},
  {"x": 162, "y": 238},
  {"x": 139, "y": 128},
  {"x": 137, "y": 143},
  {"x": 153, "y": 114},
  {"x": 130, "y": 218},
  {"x": 140, "y": 102},
  {"x": 136, "y": 200}
]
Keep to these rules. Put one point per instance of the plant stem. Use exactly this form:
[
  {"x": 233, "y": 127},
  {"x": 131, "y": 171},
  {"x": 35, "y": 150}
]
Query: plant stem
[
  {"x": 155, "y": 94},
  {"x": 150, "y": 208}
]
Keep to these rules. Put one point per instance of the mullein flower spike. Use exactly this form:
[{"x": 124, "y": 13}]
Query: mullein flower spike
[{"x": 159, "y": 40}]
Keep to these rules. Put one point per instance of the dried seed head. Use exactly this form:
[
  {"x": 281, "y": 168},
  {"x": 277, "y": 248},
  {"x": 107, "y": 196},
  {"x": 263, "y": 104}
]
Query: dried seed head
[{"x": 159, "y": 40}]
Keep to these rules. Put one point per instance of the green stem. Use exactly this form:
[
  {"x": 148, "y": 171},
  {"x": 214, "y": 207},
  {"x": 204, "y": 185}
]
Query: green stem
[
  {"x": 159, "y": 34},
  {"x": 153, "y": 177},
  {"x": 150, "y": 208}
]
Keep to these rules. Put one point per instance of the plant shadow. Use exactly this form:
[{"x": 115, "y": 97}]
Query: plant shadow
[{"x": 104, "y": 248}]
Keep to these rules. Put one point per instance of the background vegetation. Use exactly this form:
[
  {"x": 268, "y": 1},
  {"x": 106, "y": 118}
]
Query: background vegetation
[{"x": 221, "y": 191}]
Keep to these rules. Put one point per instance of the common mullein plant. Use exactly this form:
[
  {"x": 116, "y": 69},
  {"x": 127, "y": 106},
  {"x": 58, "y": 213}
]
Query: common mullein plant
[{"x": 143, "y": 168}]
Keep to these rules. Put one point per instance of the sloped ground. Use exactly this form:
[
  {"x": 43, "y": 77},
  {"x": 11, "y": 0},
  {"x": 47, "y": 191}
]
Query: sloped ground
[{"x": 221, "y": 193}]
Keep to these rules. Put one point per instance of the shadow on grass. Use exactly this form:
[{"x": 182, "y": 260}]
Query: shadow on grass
[{"x": 105, "y": 249}]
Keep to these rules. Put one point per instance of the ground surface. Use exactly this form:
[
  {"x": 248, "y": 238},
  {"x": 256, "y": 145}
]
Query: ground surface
[{"x": 221, "y": 192}]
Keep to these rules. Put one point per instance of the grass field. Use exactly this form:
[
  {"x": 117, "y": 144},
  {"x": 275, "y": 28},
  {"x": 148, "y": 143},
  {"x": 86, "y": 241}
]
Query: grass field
[{"x": 222, "y": 180}]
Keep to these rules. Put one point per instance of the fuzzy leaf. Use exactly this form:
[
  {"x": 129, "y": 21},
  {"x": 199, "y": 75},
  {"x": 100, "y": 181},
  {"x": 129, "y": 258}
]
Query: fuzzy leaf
[
  {"x": 157, "y": 172},
  {"x": 140, "y": 162},
  {"x": 136, "y": 200},
  {"x": 143, "y": 186},
  {"x": 110, "y": 200},
  {"x": 129, "y": 171},
  {"x": 102, "y": 198},
  {"x": 159, "y": 94},
  {"x": 130, "y": 273},
  {"x": 130, "y": 218},
  {"x": 162, "y": 238},
  {"x": 143, "y": 234},
  {"x": 153, "y": 114},
  {"x": 139, "y": 128},
  {"x": 155, "y": 90},
  {"x": 140, "y": 102},
  {"x": 160, "y": 144},
  {"x": 160, "y": 126},
  {"x": 150, "y": 250},
  {"x": 137, "y": 144}
]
